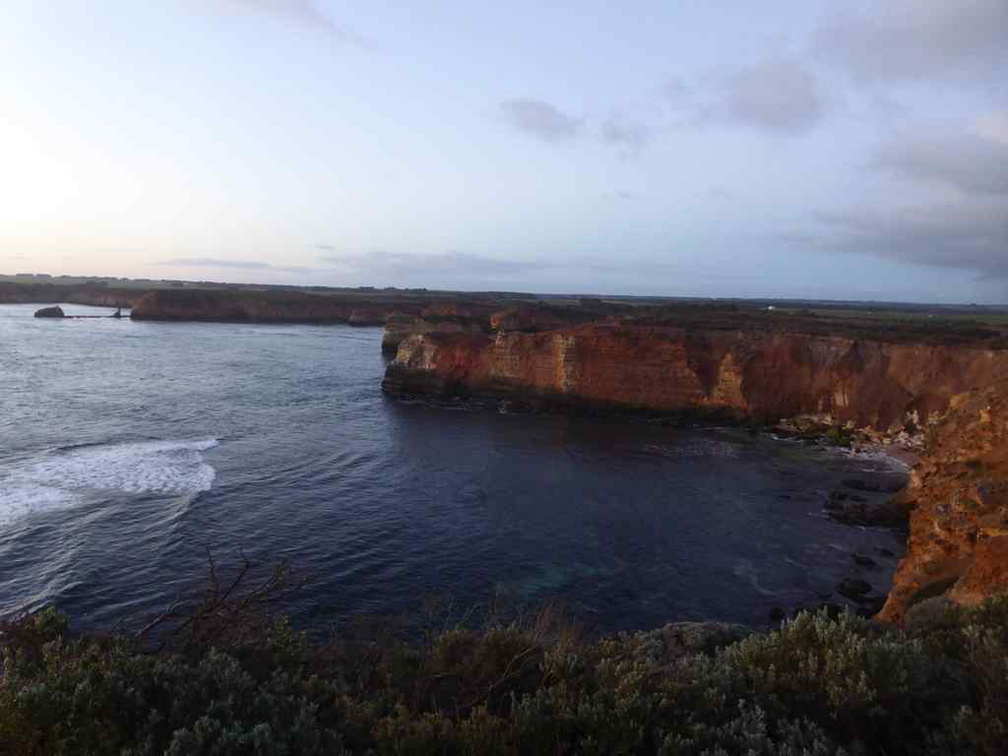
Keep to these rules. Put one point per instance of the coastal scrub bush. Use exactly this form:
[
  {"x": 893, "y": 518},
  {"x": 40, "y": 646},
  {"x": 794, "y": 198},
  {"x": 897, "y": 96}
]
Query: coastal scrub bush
[
  {"x": 815, "y": 685},
  {"x": 840, "y": 436}
]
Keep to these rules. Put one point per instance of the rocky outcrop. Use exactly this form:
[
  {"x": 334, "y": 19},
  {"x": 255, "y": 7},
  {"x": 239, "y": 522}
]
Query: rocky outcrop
[
  {"x": 958, "y": 503},
  {"x": 951, "y": 394},
  {"x": 400, "y": 327},
  {"x": 434, "y": 319},
  {"x": 50, "y": 312}
]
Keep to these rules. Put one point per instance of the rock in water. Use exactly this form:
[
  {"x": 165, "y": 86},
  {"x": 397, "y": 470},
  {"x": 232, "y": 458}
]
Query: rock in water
[
  {"x": 863, "y": 561},
  {"x": 853, "y": 588},
  {"x": 50, "y": 312}
]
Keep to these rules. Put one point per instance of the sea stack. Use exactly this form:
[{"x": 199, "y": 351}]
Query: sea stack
[{"x": 50, "y": 312}]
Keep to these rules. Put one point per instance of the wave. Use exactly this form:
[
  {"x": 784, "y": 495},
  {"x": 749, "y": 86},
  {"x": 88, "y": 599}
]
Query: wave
[{"x": 69, "y": 475}]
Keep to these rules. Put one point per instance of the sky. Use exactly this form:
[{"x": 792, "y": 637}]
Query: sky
[{"x": 829, "y": 150}]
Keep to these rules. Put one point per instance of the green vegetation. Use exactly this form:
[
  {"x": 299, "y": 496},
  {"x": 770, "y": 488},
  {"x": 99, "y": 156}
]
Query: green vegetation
[
  {"x": 227, "y": 678},
  {"x": 840, "y": 435}
]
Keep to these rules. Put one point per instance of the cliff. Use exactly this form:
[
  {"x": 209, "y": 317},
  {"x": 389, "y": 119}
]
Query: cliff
[
  {"x": 404, "y": 311},
  {"x": 479, "y": 318},
  {"x": 82, "y": 294},
  {"x": 765, "y": 376},
  {"x": 948, "y": 389},
  {"x": 263, "y": 307},
  {"x": 442, "y": 318},
  {"x": 958, "y": 503}
]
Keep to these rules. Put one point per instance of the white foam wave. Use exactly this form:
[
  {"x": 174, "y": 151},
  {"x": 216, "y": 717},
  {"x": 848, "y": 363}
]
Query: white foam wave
[
  {"x": 887, "y": 460},
  {"x": 66, "y": 477},
  {"x": 703, "y": 447},
  {"x": 20, "y": 500}
]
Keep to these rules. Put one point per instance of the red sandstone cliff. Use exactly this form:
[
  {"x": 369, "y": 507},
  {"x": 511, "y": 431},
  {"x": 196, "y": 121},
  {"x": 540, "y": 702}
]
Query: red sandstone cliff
[
  {"x": 958, "y": 500},
  {"x": 768, "y": 376}
]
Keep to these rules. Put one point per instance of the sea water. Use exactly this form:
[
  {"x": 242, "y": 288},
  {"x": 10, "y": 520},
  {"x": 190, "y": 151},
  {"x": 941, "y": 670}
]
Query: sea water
[{"x": 131, "y": 450}]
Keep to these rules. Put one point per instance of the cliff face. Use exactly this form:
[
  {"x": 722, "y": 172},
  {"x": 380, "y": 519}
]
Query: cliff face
[
  {"x": 767, "y": 376},
  {"x": 958, "y": 500},
  {"x": 442, "y": 318},
  {"x": 83, "y": 294}
]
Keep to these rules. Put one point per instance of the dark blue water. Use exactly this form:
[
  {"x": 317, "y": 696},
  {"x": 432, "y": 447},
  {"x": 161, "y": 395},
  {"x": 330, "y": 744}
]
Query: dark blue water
[{"x": 129, "y": 449}]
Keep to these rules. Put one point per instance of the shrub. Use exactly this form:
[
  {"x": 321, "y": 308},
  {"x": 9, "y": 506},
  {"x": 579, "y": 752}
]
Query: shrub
[{"x": 816, "y": 686}]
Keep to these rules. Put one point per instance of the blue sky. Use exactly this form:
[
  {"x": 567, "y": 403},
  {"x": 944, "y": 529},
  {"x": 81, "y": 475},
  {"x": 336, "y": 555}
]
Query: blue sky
[{"x": 795, "y": 149}]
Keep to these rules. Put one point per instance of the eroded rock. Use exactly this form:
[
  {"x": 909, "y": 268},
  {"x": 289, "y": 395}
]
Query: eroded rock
[
  {"x": 50, "y": 312},
  {"x": 854, "y": 589}
]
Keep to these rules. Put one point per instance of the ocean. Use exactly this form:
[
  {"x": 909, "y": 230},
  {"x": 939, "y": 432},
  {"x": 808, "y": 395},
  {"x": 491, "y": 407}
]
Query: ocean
[{"x": 129, "y": 451}]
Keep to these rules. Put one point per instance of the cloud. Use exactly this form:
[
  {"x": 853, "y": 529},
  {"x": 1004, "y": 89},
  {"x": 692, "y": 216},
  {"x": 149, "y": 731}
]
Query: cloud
[
  {"x": 777, "y": 96},
  {"x": 304, "y": 12},
  {"x": 627, "y": 135},
  {"x": 457, "y": 262},
  {"x": 994, "y": 126},
  {"x": 675, "y": 89},
  {"x": 965, "y": 229},
  {"x": 541, "y": 120},
  {"x": 970, "y": 235},
  {"x": 453, "y": 265},
  {"x": 398, "y": 263},
  {"x": 622, "y": 194},
  {"x": 917, "y": 39},
  {"x": 721, "y": 193},
  {"x": 972, "y": 164},
  {"x": 214, "y": 262},
  {"x": 886, "y": 109}
]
